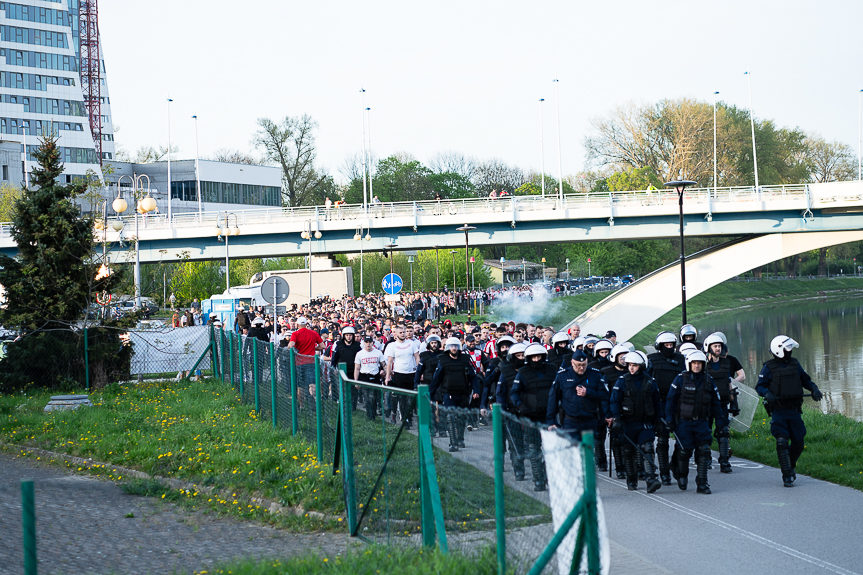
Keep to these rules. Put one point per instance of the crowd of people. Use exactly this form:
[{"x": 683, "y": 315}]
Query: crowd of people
[{"x": 685, "y": 389}]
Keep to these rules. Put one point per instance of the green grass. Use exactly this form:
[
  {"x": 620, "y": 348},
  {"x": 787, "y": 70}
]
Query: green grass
[
  {"x": 198, "y": 432},
  {"x": 558, "y": 312},
  {"x": 833, "y": 446},
  {"x": 733, "y": 295},
  {"x": 371, "y": 560}
]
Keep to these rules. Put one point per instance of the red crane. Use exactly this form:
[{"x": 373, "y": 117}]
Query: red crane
[{"x": 91, "y": 67}]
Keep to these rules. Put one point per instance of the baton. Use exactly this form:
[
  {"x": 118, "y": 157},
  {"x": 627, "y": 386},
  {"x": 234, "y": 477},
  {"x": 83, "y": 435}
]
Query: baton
[
  {"x": 511, "y": 440},
  {"x": 668, "y": 427},
  {"x": 643, "y": 454}
]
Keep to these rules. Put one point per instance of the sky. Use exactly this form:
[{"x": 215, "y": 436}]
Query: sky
[{"x": 467, "y": 76}]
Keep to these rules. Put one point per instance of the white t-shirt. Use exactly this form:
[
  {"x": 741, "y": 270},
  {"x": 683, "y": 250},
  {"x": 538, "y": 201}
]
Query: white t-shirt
[
  {"x": 402, "y": 353},
  {"x": 369, "y": 361}
]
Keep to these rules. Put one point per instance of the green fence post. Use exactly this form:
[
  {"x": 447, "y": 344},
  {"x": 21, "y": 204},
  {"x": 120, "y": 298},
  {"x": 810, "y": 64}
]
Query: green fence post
[
  {"x": 590, "y": 521},
  {"x": 222, "y": 363},
  {"x": 423, "y": 416},
  {"x": 240, "y": 359},
  {"x": 499, "y": 510},
  {"x": 28, "y": 507},
  {"x": 295, "y": 427},
  {"x": 319, "y": 408},
  {"x": 256, "y": 374},
  {"x": 86, "y": 362},
  {"x": 231, "y": 356},
  {"x": 273, "y": 384},
  {"x": 347, "y": 451},
  {"x": 428, "y": 475}
]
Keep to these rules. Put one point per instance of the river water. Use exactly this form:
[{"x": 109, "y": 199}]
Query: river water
[{"x": 830, "y": 334}]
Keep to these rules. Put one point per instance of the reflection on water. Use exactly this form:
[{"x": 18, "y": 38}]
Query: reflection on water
[{"x": 830, "y": 338}]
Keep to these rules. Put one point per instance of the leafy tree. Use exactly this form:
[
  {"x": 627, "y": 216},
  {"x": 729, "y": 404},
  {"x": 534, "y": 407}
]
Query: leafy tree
[
  {"x": 452, "y": 185},
  {"x": 633, "y": 179},
  {"x": 9, "y": 194}
]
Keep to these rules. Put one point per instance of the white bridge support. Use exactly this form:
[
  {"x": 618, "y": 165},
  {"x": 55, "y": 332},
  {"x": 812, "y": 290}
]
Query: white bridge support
[{"x": 636, "y": 306}]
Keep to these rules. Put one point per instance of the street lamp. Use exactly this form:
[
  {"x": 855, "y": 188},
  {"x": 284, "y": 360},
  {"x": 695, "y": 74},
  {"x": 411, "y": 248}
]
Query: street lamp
[
  {"x": 307, "y": 235},
  {"x": 523, "y": 271},
  {"x": 197, "y": 170},
  {"x": 541, "y": 148},
  {"x": 169, "y": 162},
  {"x": 715, "y": 177},
  {"x": 860, "y": 136},
  {"x": 222, "y": 234},
  {"x": 543, "y": 270},
  {"x": 24, "y": 156},
  {"x": 588, "y": 268},
  {"x": 143, "y": 206},
  {"x": 502, "y": 271},
  {"x": 363, "y": 100},
  {"x": 567, "y": 268},
  {"x": 472, "y": 275},
  {"x": 680, "y": 187},
  {"x": 358, "y": 237},
  {"x": 453, "y": 253},
  {"x": 466, "y": 229},
  {"x": 748, "y": 75},
  {"x": 559, "y": 164},
  {"x": 411, "y": 262},
  {"x": 437, "y": 269}
]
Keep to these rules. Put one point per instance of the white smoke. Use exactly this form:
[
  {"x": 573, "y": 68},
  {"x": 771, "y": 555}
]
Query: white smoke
[{"x": 519, "y": 307}]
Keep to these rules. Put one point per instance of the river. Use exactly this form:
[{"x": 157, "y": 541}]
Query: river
[{"x": 830, "y": 334}]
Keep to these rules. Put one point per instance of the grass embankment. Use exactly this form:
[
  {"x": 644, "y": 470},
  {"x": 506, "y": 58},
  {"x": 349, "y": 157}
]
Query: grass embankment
[
  {"x": 557, "y": 311},
  {"x": 198, "y": 432},
  {"x": 833, "y": 446},
  {"x": 373, "y": 559},
  {"x": 736, "y": 295}
]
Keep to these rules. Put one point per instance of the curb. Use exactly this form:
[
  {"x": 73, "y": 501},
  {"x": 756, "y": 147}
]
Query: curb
[{"x": 273, "y": 507}]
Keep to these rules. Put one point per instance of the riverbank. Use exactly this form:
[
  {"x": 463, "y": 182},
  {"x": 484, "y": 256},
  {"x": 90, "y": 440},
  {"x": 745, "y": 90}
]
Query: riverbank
[{"x": 833, "y": 446}]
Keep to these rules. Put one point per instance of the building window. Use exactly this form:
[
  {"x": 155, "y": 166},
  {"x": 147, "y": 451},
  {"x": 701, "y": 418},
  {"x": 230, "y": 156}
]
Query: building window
[{"x": 6, "y": 173}]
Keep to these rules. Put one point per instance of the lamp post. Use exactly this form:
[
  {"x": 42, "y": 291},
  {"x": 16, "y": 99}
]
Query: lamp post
[
  {"x": 748, "y": 75},
  {"x": 453, "y": 253},
  {"x": 472, "y": 275},
  {"x": 391, "y": 247},
  {"x": 588, "y": 268},
  {"x": 169, "y": 161},
  {"x": 411, "y": 262},
  {"x": 680, "y": 187},
  {"x": 559, "y": 164},
  {"x": 715, "y": 172},
  {"x": 523, "y": 271},
  {"x": 543, "y": 270},
  {"x": 466, "y": 229},
  {"x": 371, "y": 181},
  {"x": 437, "y": 270},
  {"x": 307, "y": 235},
  {"x": 197, "y": 171},
  {"x": 860, "y": 136},
  {"x": 567, "y": 268},
  {"x": 222, "y": 234},
  {"x": 541, "y": 148},
  {"x": 502, "y": 271},
  {"x": 358, "y": 237},
  {"x": 363, "y": 100},
  {"x": 24, "y": 156},
  {"x": 142, "y": 206}
]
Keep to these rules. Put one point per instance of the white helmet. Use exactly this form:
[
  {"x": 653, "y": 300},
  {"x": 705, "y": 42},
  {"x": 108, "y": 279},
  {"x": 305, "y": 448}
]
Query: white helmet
[
  {"x": 665, "y": 337},
  {"x": 721, "y": 336},
  {"x": 432, "y": 338},
  {"x": 348, "y": 329},
  {"x": 535, "y": 349},
  {"x": 504, "y": 339},
  {"x": 579, "y": 341},
  {"x": 591, "y": 339},
  {"x": 687, "y": 348},
  {"x": 559, "y": 337},
  {"x": 603, "y": 344},
  {"x": 453, "y": 341},
  {"x": 643, "y": 356},
  {"x": 695, "y": 356},
  {"x": 628, "y": 345},
  {"x": 517, "y": 348},
  {"x": 688, "y": 329},
  {"x": 710, "y": 340},
  {"x": 781, "y": 345},
  {"x": 634, "y": 357},
  {"x": 617, "y": 350}
]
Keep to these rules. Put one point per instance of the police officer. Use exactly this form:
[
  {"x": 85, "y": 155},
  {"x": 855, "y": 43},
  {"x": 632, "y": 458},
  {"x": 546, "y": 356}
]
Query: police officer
[
  {"x": 530, "y": 395},
  {"x": 600, "y": 354},
  {"x": 492, "y": 370},
  {"x": 515, "y": 430},
  {"x": 560, "y": 353},
  {"x": 692, "y": 400},
  {"x": 345, "y": 351},
  {"x": 781, "y": 383},
  {"x": 635, "y": 408},
  {"x": 579, "y": 391},
  {"x": 458, "y": 382},
  {"x": 726, "y": 371},
  {"x": 688, "y": 334},
  {"x": 425, "y": 372},
  {"x": 590, "y": 342},
  {"x": 612, "y": 372},
  {"x": 664, "y": 366}
]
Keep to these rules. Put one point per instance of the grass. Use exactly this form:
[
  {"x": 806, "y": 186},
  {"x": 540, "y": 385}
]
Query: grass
[
  {"x": 198, "y": 432},
  {"x": 373, "y": 559},
  {"x": 833, "y": 446},
  {"x": 558, "y": 311}
]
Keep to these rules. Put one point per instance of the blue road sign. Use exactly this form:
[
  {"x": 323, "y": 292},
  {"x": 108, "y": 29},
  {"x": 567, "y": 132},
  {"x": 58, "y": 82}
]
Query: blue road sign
[{"x": 392, "y": 284}]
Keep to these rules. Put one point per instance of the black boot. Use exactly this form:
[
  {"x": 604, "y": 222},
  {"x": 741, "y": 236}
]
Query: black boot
[
  {"x": 682, "y": 468},
  {"x": 785, "y": 461},
  {"x": 702, "y": 463},
  {"x": 601, "y": 457},
  {"x": 725, "y": 455},
  {"x": 649, "y": 469},
  {"x": 517, "y": 463},
  {"x": 629, "y": 464},
  {"x": 617, "y": 454},
  {"x": 462, "y": 422},
  {"x": 453, "y": 434},
  {"x": 639, "y": 465},
  {"x": 536, "y": 467},
  {"x": 662, "y": 457}
]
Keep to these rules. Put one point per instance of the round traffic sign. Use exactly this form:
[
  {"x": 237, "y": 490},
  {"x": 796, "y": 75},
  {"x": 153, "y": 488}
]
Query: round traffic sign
[
  {"x": 392, "y": 284},
  {"x": 275, "y": 290}
]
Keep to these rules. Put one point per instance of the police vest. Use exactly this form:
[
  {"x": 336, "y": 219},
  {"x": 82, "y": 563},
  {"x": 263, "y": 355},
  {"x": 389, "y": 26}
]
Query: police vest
[
  {"x": 536, "y": 385},
  {"x": 785, "y": 381},
  {"x": 457, "y": 374},
  {"x": 721, "y": 377},
  {"x": 694, "y": 397},
  {"x": 612, "y": 374},
  {"x": 429, "y": 359},
  {"x": 637, "y": 404},
  {"x": 665, "y": 370},
  {"x": 508, "y": 370}
]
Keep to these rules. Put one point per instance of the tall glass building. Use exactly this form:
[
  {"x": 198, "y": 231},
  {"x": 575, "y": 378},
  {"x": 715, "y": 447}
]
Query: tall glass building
[{"x": 41, "y": 86}]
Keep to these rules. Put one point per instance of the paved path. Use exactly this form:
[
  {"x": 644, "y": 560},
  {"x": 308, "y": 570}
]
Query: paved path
[
  {"x": 750, "y": 524},
  {"x": 81, "y": 529}
]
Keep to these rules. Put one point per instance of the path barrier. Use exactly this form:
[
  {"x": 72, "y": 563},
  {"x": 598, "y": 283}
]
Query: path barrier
[{"x": 402, "y": 485}]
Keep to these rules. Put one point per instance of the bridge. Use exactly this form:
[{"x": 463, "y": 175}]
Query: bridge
[{"x": 587, "y": 217}]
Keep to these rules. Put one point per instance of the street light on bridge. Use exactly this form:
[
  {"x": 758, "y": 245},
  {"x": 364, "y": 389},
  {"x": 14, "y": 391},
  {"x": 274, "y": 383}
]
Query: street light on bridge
[
  {"x": 466, "y": 229},
  {"x": 680, "y": 186}
]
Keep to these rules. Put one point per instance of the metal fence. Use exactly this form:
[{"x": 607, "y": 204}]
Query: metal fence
[{"x": 402, "y": 484}]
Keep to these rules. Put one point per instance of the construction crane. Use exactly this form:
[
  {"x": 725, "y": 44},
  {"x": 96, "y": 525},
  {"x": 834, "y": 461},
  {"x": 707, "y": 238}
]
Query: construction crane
[{"x": 91, "y": 67}]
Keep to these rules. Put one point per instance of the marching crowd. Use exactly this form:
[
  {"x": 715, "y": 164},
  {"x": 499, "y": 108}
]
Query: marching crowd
[{"x": 685, "y": 389}]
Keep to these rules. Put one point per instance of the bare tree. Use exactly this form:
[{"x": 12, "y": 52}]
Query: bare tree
[
  {"x": 291, "y": 145},
  {"x": 830, "y": 161},
  {"x": 454, "y": 162},
  {"x": 496, "y": 175},
  {"x": 352, "y": 166},
  {"x": 236, "y": 157},
  {"x": 148, "y": 154}
]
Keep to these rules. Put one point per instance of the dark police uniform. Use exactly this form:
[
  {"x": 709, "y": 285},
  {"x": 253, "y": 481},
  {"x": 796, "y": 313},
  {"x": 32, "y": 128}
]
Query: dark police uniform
[
  {"x": 579, "y": 412},
  {"x": 611, "y": 374},
  {"x": 635, "y": 403},
  {"x": 424, "y": 374},
  {"x": 692, "y": 401},
  {"x": 664, "y": 370},
  {"x": 782, "y": 383},
  {"x": 722, "y": 371},
  {"x": 508, "y": 369},
  {"x": 457, "y": 380},
  {"x": 530, "y": 395}
]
